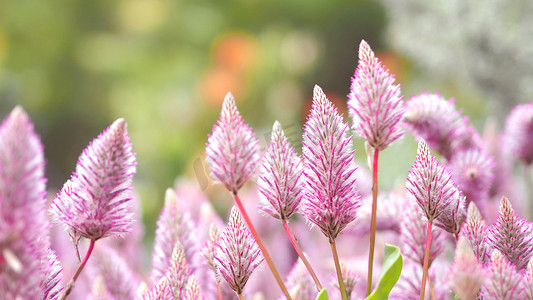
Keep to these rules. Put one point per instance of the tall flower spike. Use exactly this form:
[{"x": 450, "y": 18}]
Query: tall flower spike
[
  {"x": 232, "y": 149},
  {"x": 505, "y": 282},
  {"x": 472, "y": 170},
  {"x": 475, "y": 231},
  {"x": 331, "y": 198},
  {"x": 375, "y": 103},
  {"x": 280, "y": 177},
  {"x": 431, "y": 117},
  {"x": 519, "y": 132},
  {"x": 237, "y": 254},
  {"x": 173, "y": 226},
  {"x": 209, "y": 248},
  {"x": 350, "y": 280},
  {"x": 512, "y": 235},
  {"x": 178, "y": 272},
  {"x": 430, "y": 184},
  {"x": 95, "y": 205},
  {"x": 467, "y": 274},
  {"x": 25, "y": 264}
]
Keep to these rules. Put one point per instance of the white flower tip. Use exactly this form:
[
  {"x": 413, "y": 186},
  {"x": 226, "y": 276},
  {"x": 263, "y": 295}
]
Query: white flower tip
[
  {"x": 171, "y": 198},
  {"x": 505, "y": 205},
  {"x": 496, "y": 255},
  {"x": 277, "y": 130},
  {"x": 319, "y": 97},
  {"x": 423, "y": 149},
  {"x": 365, "y": 52},
  {"x": 464, "y": 250},
  {"x": 119, "y": 126},
  {"x": 473, "y": 212}
]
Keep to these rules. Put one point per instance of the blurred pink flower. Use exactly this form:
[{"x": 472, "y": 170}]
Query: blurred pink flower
[
  {"x": 466, "y": 275},
  {"x": 505, "y": 282},
  {"x": 519, "y": 132}
]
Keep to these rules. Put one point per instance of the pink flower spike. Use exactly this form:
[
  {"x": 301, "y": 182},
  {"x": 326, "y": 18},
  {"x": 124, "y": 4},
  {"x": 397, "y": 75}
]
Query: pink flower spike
[
  {"x": 435, "y": 119},
  {"x": 95, "y": 203},
  {"x": 174, "y": 225},
  {"x": 237, "y": 254},
  {"x": 505, "y": 282},
  {"x": 512, "y": 235},
  {"x": 430, "y": 184},
  {"x": 375, "y": 103},
  {"x": 475, "y": 231},
  {"x": 280, "y": 177},
  {"x": 519, "y": 132},
  {"x": 331, "y": 199},
  {"x": 467, "y": 274},
  {"x": 232, "y": 149},
  {"x": 472, "y": 171}
]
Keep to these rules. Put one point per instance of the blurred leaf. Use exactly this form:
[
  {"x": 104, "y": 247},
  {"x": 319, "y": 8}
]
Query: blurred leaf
[
  {"x": 390, "y": 273},
  {"x": 323, "y": 295}
]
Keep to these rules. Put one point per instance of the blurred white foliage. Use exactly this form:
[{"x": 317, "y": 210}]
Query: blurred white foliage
[{"x": 485, "y": 43}]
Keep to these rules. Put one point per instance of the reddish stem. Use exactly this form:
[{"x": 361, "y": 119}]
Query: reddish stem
[
  {"x": 338, "y": 268},
  {"x": 426, "y": 260},
  {"x": 219, "y": 292},
  {"x": 373, "y": 219},
  {"x": 301, "y": 255},
  {"x": 261, "y": 246},
  {"x": 70, "y": 285}
]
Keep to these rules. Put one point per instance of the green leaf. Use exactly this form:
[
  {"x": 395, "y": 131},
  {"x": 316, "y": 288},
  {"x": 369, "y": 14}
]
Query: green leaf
[
  {"x": 390, "y": 273},
  {"x": 323, "y": 295}
]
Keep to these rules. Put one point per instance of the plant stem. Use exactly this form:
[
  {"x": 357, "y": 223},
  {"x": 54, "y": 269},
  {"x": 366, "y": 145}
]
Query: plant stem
[
  {"x": 527, "y": 206},
  {"x": 301, "y": 255},
  {"x": 338, "y": 268},
  {"x": 373, "y": 219},
  {"x": 70, "y": 285},
  {"x": 261, "y": 246},
  {"x": 426, "y": 260},
  {"x": 219, "y": 292},
  {"x": 241, "y": 297}
]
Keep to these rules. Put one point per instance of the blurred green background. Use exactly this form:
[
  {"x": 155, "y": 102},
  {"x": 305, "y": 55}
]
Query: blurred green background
[{"x": 165, "y": 66}]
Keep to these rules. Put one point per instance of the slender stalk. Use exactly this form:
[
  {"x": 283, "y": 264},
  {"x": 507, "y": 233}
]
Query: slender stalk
[
  {"x": 373, "y": 219},
  {"x": 527, "y": 205},
  {"x": 70, "y": 285},
  {"x": 426, "y": 260},
  {"x": 301, "y": 255},
  {"x": 261, "y": 246},
  {"x": 338, "y": 268},
  {"x": 241, "y": 297},
  {"x": 219, "y": 292}
]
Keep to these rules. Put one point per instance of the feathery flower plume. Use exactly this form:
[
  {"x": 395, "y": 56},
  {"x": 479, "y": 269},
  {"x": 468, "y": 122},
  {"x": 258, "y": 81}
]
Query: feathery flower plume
[
  {"x": 519, "y": 132},
  {"x": 413, "y": 230},
  {"x": 512, "y": 235},
  {"x": 505, "y": 282},
  {"x": 453, "y": 216},
  {"x": 528, "y": 280},
  {"x": 280, "y": 177},
  {"x": 475, "y": 231},
  {"x": 178, "y": 272},
  {"x": 430, "y": 184},
  {"x": 173, "y": 226},
  {"x": 26, "y": 269},
  {"x": 300, "y": 283},
  {"x": 51, "y": 285},
  {"x": 466, "y": 275},
  {"x": 208, "y": 251},
  {"x": 472, "y": 171},
  {"x": 232, "y": 149},
  {"x": 192, "y": 290},
  {"x": 331, "y": 198},
  {"x": 95, "y": 204},
  {"x": 237, "y": 254},
  {"x": 431, "y": 117},
  {"x": 350, "y": 280},
  {"x": 375, "y": 103}
]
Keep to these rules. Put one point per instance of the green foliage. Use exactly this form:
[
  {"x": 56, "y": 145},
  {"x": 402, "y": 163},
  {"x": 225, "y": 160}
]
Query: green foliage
[
  {"x": 390, "y": 273},
  {"x": 323, "y": 295}
]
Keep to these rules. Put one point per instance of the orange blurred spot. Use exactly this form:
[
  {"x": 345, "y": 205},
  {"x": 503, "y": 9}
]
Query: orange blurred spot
[
  {"x": 235, "y": 51},
  {"x": 217, "y": 83},
  {"x": 393, "y": 62}
]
